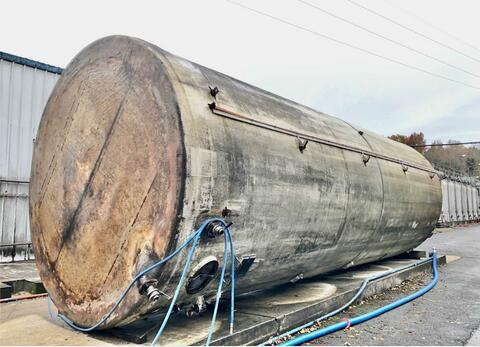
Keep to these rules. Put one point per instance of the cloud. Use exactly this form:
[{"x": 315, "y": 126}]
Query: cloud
[{"x": 364, "y": 90}]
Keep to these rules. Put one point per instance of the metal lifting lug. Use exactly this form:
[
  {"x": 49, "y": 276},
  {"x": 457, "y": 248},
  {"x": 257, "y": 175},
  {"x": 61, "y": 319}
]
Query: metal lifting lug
[
  {"x": 214, "y": 91},
  {"x": 212, "y": 105},
  {"x": 302, "y": 144},
  {"x": 365, "y": 158}
]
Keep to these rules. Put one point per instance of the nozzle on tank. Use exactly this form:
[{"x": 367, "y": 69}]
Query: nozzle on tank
[
  {"x": 149, "y": 289},
  {"x": 215, "y": 229},
  {"x": 153, "y": 293}
]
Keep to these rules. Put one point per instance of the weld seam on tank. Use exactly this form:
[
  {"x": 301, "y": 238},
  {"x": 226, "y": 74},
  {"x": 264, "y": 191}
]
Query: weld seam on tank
[{"x": 224, "y": 112}]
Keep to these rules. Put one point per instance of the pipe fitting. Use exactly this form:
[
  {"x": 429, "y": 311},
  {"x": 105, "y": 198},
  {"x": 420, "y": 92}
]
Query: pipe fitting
[
  {"x": 149, "y": 289},
  {"x": 215, "y": 229},
  {"x": 199, "y": 307},
  {"x": 152, "y": 293}
]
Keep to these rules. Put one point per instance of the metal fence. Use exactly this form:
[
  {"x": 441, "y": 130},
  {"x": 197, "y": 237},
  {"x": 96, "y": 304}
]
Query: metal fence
[
  {"x": 460, "y": 201},
  {"x": 25, "y": 86}
]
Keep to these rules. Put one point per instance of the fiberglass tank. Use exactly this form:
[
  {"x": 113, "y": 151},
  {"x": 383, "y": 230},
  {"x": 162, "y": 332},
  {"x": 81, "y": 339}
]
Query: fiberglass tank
[{"x": 137, "y": 147}]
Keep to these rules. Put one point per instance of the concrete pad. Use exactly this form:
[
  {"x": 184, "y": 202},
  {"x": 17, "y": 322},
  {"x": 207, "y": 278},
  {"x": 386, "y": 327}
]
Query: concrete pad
[
  {"x": 301, "y": 293},
  {"x": 443, "y": 230},
  {"x": 17, "y": 271},
  {"x": 258, "y": 316},
  {"x": 183, "y": 331},
  {"x": 452, "y": 258},
  {"x": 34, "y": 329},
  {"x": 15, "y": 309}
]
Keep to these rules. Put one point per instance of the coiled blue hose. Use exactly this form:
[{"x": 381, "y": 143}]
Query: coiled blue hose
[
  {"x": 362, "y": 318},
  {"x": 194, "y": 237}
]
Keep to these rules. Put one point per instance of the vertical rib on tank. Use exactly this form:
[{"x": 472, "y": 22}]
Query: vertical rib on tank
[{"x": 135, "y": 149}]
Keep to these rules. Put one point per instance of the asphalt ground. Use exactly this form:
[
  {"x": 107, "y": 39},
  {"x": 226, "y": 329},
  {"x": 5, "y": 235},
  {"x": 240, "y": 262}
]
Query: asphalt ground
[{"x": 447, "y": 315}]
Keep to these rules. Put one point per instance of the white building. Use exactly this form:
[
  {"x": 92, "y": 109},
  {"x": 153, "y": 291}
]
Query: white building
[{"x": 25, "y": 86}]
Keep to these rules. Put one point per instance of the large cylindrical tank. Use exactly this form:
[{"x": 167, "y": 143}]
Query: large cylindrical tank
[{"x": 136, "y": 147}]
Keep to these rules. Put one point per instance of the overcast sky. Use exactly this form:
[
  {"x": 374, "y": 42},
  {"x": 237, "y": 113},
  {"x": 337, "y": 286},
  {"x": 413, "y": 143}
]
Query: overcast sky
[{"x": 362, "y": 89}]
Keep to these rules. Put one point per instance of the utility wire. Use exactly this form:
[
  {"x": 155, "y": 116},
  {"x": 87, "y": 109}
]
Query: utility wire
[
  {"x": 448, "y": 144},
  {"x": 344, "y": 43},
  {"x": 386, "y": 38},
  {"x": 412, "y": 30},
  {"x": 433, "y": 26}
]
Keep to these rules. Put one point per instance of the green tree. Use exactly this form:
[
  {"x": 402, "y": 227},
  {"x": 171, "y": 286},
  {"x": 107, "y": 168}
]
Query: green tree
[{"x": 472, "y": 166}]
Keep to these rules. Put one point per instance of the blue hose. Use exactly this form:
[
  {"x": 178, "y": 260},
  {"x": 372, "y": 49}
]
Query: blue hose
[
  {"x": 232, "y": 284},
  {"x": 194, "y": 237},
  {"x": 228, "y": 236},
  {"x": 362, "y": 318},
  {"x": 357, "y": 294},
  {"x": 219, "y": 291},
  {"x": 177, "y": 290}
]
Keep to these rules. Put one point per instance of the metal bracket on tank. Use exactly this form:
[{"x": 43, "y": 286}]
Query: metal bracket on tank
[
  {"x": 297, "y": 278},
  {"x": 244, "y": 264},
  {"x": 302, "y": 144},
  {"x": 365, "y": 158},
  {"x": 214, "y": 91}
]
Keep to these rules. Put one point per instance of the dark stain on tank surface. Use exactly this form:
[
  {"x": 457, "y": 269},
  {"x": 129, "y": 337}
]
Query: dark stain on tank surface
[
  {"x": 68, "y": 232},
  {"x": 306, "y": 245}
]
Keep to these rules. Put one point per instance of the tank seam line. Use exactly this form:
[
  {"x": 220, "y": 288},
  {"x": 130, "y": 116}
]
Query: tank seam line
[{"x": 223, "y": 112}]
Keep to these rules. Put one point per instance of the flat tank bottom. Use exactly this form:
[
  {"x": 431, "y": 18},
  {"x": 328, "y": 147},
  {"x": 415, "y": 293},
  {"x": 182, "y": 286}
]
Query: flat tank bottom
[{"x": 130, "y": 158}]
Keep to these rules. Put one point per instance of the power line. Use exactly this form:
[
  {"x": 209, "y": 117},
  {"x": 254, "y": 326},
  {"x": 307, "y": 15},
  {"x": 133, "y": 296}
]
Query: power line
[
  {"x": 412, "y": 30},
  {"x": 386, "y": 38},
  {"x": 344, "y": 43},
  {"x": 420, "y": 19},
  {"x": 448, "y": 144}
]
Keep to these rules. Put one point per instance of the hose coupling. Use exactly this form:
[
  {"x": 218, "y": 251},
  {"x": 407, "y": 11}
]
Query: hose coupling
[
  {"x": 149, "y": 289},
  {"x": 153, "y": 294},
  {"x": 215, "y": 229}
]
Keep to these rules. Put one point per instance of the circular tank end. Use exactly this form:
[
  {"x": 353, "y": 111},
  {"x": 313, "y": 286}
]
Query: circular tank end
[{"x": 106, "y": 177}]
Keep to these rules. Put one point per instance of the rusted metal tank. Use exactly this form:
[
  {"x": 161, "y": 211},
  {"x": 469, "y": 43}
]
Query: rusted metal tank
[{"x": 137, "y": 146}]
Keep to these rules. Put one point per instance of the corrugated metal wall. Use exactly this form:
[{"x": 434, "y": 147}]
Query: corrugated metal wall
[
  {"x": 460, "y": 203},
  {"x": 24, "y": 91}
]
